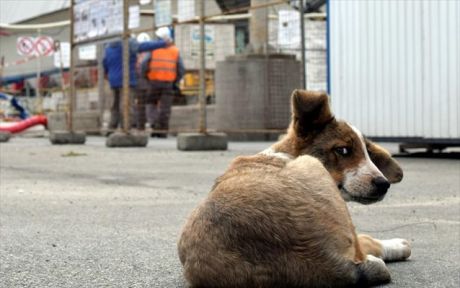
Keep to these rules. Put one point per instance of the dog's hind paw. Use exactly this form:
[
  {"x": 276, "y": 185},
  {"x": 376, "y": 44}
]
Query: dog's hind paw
[{"x": 395, "y": 249}]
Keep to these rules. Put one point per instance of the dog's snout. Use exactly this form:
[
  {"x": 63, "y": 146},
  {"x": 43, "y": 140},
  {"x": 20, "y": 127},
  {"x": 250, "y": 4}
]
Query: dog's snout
[{"x": 381, "y": 184}]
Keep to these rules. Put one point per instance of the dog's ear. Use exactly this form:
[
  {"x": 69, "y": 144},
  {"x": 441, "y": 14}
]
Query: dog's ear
[
  {"x": 310, "y": 111},
  {"x": 383, "y": 160}
]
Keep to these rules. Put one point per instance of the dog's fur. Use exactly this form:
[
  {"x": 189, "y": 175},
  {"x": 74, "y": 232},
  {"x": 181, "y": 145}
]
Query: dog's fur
[{"x": 279, "y": 219}]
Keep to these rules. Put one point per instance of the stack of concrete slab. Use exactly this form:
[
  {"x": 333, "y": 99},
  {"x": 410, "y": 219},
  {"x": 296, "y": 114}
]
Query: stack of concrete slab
[
  {"x": 120, "y": 139},
  {"x": 67, "y": 137}
]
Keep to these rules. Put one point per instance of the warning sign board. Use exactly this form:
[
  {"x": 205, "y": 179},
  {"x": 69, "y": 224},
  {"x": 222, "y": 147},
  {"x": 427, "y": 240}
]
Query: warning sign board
[
  {"x": 62, "y": 56},
  {"x": 97, "y": 18},
  {"x": 163, "y": 14},
  {"x": 25, "y": 46},
  {"x": 35, "y": 46},
  {"x": 44, "y": 45}
]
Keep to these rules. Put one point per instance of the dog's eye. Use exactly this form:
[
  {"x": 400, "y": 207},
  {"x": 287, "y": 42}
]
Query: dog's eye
[{"x": 342, "y": 151}]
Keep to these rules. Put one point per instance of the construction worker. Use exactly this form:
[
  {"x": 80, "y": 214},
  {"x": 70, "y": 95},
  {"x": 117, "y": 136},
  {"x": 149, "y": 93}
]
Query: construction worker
[
  {"x": 113, "y": 67},
  {"x": 165, "y": 70}
]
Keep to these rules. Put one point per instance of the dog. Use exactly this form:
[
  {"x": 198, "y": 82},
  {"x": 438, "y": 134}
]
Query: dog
[{"x": 279, "y": 218}]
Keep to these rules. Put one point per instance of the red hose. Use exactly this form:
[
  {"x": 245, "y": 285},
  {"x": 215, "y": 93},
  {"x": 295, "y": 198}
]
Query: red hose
[{"x": 24, "y": 124}]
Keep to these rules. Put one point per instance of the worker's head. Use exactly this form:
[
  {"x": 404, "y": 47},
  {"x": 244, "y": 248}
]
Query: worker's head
[{"x": 165, "y": 34}]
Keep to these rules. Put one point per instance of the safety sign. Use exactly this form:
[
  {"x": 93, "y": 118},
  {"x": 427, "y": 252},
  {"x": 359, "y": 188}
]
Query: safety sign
[
  {"x": 35, "y": 46},
  {"x": 62, "y": 55}
]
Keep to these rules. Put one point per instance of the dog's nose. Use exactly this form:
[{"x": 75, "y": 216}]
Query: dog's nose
[{"x": 381, "y": 184}]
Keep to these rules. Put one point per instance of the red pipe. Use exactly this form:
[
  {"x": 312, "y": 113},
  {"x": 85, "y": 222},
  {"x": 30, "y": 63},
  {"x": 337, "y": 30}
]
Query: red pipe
[{"x": 24, "y": 124}]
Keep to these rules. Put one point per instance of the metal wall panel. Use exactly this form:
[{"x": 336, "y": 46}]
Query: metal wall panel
[{"x": 395, "y": 66}]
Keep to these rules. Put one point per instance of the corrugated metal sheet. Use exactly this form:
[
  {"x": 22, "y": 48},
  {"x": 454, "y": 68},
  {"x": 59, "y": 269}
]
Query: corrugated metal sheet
[
  {"x": 395, "y": 66},
  {"x": 13, "y": 11}
]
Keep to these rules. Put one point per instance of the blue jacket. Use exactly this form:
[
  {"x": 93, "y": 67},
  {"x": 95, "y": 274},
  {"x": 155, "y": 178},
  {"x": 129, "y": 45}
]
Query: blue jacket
[{"x": 113, "y": 60}]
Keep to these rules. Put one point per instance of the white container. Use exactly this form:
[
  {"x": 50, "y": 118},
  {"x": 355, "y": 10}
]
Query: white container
[{"x": 395, "y": 67}]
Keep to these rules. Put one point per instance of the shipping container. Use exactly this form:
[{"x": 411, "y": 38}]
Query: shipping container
[{"x": 394, "y": 68}]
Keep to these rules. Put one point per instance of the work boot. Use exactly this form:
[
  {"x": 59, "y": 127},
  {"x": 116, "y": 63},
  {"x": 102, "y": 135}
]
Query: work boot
[
  {"x": 155, "y": 134},
  {"x": 158, "y": 135}
]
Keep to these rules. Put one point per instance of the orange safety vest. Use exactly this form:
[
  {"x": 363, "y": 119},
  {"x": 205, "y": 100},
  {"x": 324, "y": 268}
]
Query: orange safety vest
[{"x": 163, "y": 65}]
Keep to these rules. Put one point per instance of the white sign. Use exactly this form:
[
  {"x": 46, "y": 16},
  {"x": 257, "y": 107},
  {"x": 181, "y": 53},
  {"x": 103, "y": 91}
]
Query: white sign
[
  {"x": 144, "y": 2},
  {"x": 96, "y": 18},
  {"x": 35, "y": 46},
  {"x": 209, "y": 41},
  {"x": 134, "y": 17},
  {"x": 62, "y": 55},
  {"x": 163, "y": 13},
  {"x": 288, "y": 29},
  {"x": 87, "y": 52},
  {"x": 185, "y": 10}
]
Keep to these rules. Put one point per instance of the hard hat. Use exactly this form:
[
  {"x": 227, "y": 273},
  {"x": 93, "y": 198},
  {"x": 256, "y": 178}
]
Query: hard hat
[
  {"x": 143, "y": 37},
  {"x": 164, "y": 33}
]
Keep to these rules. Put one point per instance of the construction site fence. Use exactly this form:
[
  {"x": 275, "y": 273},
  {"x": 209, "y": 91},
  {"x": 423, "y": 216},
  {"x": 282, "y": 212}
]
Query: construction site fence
[{"x": 228, "y": 32}]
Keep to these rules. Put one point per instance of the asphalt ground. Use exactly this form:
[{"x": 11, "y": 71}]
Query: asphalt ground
[{"x": 91, "y": 216}]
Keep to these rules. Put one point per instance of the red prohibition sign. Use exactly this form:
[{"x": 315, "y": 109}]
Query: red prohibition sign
[
  {"x": 25, "y": 45},
  {"x": 43, "y": 45}
]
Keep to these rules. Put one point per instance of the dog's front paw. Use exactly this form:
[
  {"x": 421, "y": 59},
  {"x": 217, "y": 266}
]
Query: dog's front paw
[{"x": 395, "y": 249}]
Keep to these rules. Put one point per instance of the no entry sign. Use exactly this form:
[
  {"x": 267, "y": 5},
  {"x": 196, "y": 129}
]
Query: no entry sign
[
  {"x": 25, "y": 45},
  {"x": 35, "y": 46}
]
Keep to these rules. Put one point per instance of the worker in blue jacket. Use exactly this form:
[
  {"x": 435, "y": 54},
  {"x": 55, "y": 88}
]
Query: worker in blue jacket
[{"x": 113, "y": 67}]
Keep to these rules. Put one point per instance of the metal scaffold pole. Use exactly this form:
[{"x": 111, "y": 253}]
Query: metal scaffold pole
[
  {"x": 58, "y": 49},
  {"x": 37, "y": 88},
  {"x": 71, "y": 94},
  {"x": 100, "y": 79},
  {"x": 126, "y": 103},
  {"x": 126, "y": 138},
  {"x": 202, "y": 141},
  {"x": 302, "y": 45},
  {"x": 202, "y": 96},
  {"x": 69, "y": 136}
]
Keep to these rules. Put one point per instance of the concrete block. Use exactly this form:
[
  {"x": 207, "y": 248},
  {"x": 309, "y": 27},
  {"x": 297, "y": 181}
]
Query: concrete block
[
  {"x": 264, "y": 100},
  {"x": 67, "y": 137},
  {"x": 120, "y": 139},
  {"x": 201, "y": 142},
  {"x": 5, "y": 136}
]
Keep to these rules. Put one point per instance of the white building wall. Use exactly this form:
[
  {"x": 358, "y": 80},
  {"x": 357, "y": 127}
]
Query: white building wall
[
  {"x": 13, "y": 11},
  {"x": 395, "y": 66}
]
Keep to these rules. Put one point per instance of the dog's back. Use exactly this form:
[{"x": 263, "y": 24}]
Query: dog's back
[{"x": 260, "y": 223}]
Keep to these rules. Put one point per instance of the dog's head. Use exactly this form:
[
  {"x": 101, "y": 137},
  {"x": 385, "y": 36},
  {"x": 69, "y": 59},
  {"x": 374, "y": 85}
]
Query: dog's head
[{"x": 362, "y": 170}]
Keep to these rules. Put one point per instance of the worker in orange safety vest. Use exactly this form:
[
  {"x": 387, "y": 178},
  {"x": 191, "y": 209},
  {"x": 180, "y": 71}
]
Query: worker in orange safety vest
[{"x": 165, "y": 70}]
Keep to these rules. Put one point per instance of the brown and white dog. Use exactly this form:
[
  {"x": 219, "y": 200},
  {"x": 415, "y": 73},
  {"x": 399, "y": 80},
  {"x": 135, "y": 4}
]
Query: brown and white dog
[{"x": 279, "y": 218}]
